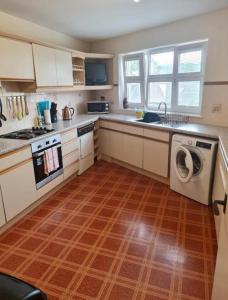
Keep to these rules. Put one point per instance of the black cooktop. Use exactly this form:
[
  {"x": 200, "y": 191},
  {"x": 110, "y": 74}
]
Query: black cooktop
[{"x": 26, "y": 134}]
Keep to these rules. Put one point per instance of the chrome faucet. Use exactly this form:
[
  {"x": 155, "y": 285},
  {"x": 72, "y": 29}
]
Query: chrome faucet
[{"x": 159, "y": 107}]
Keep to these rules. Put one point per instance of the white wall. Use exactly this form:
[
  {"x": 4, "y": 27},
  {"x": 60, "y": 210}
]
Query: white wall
[
  {"x": 17, "y": 26},
  {"x": 213, "y": 26}
]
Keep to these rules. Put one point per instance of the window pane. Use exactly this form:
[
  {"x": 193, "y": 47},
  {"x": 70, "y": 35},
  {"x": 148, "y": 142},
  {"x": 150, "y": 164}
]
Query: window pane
[
  {"x": 160, "y": 91},
  {"x": 189, "y": 93},
  {"x": 190, "y": 62},
  {"x": 132, "y": 68},
  {"x": 161, "y": 63},
  {"x": 133, "y": 93}
]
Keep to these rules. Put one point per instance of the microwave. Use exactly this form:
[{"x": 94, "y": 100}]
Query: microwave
[{"x": 98, "y": 107}]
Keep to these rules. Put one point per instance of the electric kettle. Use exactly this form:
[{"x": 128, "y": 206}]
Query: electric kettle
[{"x": 67, "y": 113}]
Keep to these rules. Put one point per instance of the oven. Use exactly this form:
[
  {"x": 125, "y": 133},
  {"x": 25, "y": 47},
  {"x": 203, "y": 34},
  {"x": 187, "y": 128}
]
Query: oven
[{"x": 39, "y": 155}]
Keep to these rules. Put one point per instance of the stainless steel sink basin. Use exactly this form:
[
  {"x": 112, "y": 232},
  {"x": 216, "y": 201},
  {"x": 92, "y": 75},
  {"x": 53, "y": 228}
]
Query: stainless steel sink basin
[{"x": 155, "y": 122}]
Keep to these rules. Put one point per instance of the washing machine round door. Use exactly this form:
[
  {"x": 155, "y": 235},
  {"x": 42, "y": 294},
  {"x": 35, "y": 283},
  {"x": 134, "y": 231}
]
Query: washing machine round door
[{"x": 184, "y": 164}]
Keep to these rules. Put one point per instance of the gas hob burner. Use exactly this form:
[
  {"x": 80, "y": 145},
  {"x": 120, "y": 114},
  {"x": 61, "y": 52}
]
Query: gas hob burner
[{"x": 27, "y": 134}]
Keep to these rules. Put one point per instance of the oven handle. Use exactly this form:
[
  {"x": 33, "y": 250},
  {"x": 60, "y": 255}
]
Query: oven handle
[{"x": 36, "y": 155}]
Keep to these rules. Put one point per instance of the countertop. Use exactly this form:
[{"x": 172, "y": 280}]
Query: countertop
[{"x": 205, "y": 131}]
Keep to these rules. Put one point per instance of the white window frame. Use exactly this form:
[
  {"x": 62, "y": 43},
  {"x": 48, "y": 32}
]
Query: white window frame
[
  {"x": 160, "y": 77},
  {"x": 134, "y": 79},
  {"x": 174, "y": 78}
]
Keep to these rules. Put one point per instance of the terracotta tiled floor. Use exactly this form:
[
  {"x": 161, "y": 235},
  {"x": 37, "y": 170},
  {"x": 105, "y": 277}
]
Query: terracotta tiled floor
[{"x": 114, "y": 234}]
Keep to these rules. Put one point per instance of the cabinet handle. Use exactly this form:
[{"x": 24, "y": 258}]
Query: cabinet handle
[{"x": 216, "y": 203}]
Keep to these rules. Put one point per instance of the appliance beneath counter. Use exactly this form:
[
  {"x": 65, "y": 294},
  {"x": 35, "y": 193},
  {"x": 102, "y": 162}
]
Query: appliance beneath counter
[
  {"x": 86, "y": 142},
  {"x": 47, "y": 160}
]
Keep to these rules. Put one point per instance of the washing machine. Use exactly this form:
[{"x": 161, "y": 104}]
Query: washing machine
[{"x": 192, "y": 167}]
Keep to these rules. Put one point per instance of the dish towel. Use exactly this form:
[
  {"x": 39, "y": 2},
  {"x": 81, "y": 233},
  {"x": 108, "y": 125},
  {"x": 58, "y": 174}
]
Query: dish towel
[
  {"x": 48, "y": 161},
  {"x": 55, "y": 157}
]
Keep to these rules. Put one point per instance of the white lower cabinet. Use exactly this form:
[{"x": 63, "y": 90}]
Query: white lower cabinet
[
  {"x": 132, "y": 150},
  {"x": 116, "y": 145},
  {"x": 148, "y": 154},
  {"x": 18, "y": 189},
  {"x": 156, "y": 157},
  {"x": 104, "y": 136},
  {"x": 2, "y": 213},
  {"x": 219, "y": 190}
]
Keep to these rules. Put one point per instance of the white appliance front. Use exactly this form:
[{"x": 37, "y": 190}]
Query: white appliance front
[{"x": 192, "y": 167}]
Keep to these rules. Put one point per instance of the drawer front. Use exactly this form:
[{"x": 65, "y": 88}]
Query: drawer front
[
  {"x": 105, "y": 124},
  {"x": 157, "y": 135},
  {"x": 10, "y": 159},
  {"x": 51, "y": 185},
  {"x": 71, "y": 170},
  {"x": 132, "y": 130},
  {"x": 122, "y": 127},
  {"x": 69, "y": 135},
  {"x": 70, "y": 158},
  {"x": 70, "y": 147}
]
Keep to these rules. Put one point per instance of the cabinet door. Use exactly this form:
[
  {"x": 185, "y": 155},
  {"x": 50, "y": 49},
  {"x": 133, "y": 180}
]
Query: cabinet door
[
  {"x": 45, "y": 66},
  {"x": 155, "y": 158},
  {"x": 116, "y": 145},
  {"x": 18, "y": 189},
  {"x": 104, "y": 136},
  {"x": 2, "y": 213},
  {"x": 220, "y": 287},
  {"x": 133, "y": 150},
  {"x": 64, "y": 68},
  {"x": 16, "y": 61},
  {"x": 218, "y": 194}
]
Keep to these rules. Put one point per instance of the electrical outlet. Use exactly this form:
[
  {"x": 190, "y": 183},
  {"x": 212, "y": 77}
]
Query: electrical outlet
[{"x": 216, "y": 108}]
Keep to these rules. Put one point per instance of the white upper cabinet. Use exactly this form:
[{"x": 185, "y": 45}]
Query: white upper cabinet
[
  {"x": 16, "y": 60},
  {"x": 64, "y": 68},
  {"x": 44, "y": 60},
  {"x": 52, "y": 67}
]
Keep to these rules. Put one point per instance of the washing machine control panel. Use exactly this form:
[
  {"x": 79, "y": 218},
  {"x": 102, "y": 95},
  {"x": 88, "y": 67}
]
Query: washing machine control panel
[{"x": 203, "y": 145}]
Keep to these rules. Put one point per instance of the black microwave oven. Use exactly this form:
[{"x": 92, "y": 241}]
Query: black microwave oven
[{"x": 98, "y": 107}]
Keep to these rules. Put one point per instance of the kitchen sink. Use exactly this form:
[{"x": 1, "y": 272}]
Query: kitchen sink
[{"x": 153, "y": 122}]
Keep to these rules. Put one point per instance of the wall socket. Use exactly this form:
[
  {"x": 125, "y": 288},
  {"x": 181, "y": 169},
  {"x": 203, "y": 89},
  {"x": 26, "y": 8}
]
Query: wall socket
[{"x": 216, "y": 108}]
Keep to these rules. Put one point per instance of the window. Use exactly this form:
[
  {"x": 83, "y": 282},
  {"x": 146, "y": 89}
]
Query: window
[
  {"x": 173, "y": 75},
  {"x": 134, "y": 85}
]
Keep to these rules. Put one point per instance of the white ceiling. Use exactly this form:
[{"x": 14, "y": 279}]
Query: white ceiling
[{"x": 100, "y": 19}]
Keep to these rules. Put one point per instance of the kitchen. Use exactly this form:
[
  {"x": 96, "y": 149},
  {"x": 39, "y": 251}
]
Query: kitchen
[{"x": 113, "y": 151}]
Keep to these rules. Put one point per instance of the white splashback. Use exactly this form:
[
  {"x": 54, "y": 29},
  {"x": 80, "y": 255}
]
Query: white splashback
[{"x": 77, "y": 100}]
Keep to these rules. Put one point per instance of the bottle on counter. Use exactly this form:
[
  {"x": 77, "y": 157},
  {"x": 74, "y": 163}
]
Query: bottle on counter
[{"x": 125, "y": 103}]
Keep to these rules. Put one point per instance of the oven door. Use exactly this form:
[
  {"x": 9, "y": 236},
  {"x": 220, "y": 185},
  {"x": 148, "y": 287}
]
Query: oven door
[{"x": 38, "y": 163}]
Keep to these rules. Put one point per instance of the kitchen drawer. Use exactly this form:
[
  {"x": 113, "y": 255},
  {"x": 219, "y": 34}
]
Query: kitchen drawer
[
  {"x": 156, "y": 134},
  {"x": 69, "y": 135},
  {"x": 132, "y": 130},
  {"x": 122, "y": 127},
  {"x": 111, "y": 125},
  {"x": 71, "y": 170},
  {"x": 13, "y": 158},
  {"x": 70, "y": 146},
  {"x": 105, "y": 124},
  {"x": 70, "y": 158},
  {"x": 49, "y": 186}
]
